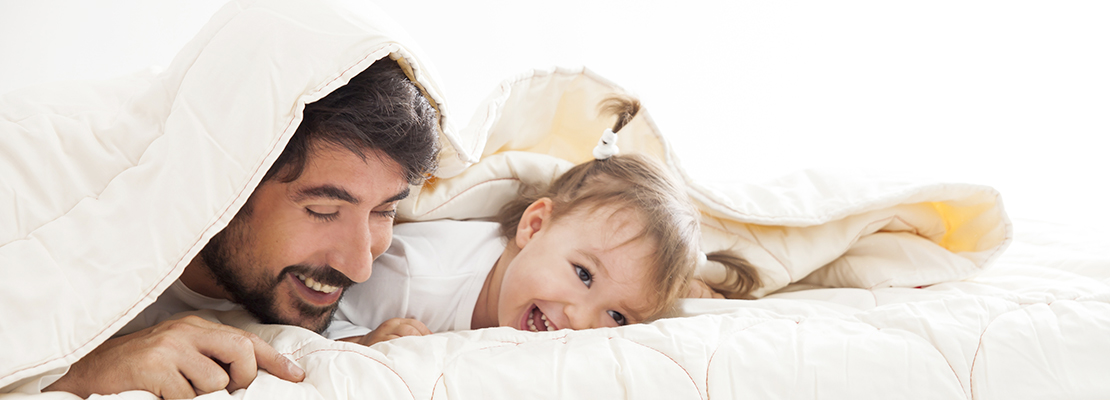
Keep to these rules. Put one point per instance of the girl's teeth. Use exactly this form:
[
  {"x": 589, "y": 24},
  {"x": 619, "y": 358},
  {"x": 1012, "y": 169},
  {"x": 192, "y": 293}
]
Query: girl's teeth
[
  {"x": 317, "y": 286},
  {"x": 531, "y": 323}
]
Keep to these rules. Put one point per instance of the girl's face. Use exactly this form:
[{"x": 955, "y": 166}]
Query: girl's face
[{"x": 581, "y": 271}]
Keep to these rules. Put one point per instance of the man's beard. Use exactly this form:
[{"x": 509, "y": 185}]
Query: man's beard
[{"x": 229, "y": 258}]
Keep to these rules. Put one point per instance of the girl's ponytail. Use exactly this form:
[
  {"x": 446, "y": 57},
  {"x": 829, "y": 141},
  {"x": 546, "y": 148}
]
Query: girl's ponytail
[
  {"x": 623, "y": 106},
  {"x": 741, "y": 278}
]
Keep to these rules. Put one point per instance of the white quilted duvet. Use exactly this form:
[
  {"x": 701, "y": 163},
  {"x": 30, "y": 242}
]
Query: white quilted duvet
[{"x": 874, "y": 287}]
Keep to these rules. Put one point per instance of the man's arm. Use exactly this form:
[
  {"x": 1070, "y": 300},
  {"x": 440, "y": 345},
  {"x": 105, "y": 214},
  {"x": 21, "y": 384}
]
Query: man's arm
[{"x": 179, "y": 358}]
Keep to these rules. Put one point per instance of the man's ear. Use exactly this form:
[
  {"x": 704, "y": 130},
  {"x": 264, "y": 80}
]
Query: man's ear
[{"x": 532, "y": 221}]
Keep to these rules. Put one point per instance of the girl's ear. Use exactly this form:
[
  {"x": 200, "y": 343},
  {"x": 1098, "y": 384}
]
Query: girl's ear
[{"x": 532, "y": 221}]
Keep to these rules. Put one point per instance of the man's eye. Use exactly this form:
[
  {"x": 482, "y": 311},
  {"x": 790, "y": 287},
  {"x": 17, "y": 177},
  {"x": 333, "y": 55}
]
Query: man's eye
[
  {"x": 618, "y": 317},
  {"x": 323, "y": 216},
  {"x": 584, "y": 275},
  {"x": 387, "y": 213}
]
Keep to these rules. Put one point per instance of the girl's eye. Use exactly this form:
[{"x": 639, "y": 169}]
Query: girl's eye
[
  {"x": 618, "y": 317},
  {"x": 322, "y": 216},
  {"x": 584, "y": 275}
]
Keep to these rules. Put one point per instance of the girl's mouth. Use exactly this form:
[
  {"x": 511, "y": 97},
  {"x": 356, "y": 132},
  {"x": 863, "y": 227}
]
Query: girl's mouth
[{"x": 536, "y": 321}]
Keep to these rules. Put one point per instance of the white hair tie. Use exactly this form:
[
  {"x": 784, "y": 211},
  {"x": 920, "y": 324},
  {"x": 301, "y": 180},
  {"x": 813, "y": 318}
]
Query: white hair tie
[
  {"x": 606, "y": 146},
  {"x": 703, "y": 260}
]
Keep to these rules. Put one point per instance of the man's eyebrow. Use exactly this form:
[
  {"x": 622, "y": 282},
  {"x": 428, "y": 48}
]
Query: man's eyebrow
[
  {"x": 403, "y": 194},
  {"x": 327, "y": 192}
]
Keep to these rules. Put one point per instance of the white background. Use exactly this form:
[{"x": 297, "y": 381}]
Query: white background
[{"x": 1012, "y": 94}]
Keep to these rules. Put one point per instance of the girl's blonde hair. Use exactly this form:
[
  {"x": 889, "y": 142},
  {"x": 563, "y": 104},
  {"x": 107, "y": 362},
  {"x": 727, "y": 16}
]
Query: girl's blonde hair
[{"x": 641, "y": 185}]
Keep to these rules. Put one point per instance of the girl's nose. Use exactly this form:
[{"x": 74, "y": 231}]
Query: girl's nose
[{"x": 583, "y": 316}]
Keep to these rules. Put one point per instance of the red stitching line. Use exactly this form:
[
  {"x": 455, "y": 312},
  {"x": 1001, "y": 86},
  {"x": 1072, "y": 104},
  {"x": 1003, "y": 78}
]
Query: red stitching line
[
  {"x": 409, "y": 388},
  {"x": 691, "y": 377},
  {"x": 321, "y": 86},
  {"x": 950, "y": 367},
  {"x": 503, "y": 342},
  {"x": 975, "y": 358},
  {"x": 436, "y": 384},
  {"x": 711, "y": 356}
]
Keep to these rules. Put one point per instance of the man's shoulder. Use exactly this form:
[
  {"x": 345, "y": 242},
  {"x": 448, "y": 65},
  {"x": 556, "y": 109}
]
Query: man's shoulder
[
  {"x": 444, "y": 227},
  {"x": 176, "y": 299},
  {"x": 446, "y": 233},
  {"x": 436, "y": 248}
]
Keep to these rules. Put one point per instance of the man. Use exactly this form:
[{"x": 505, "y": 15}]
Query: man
[{"x": 312, "y": 227}]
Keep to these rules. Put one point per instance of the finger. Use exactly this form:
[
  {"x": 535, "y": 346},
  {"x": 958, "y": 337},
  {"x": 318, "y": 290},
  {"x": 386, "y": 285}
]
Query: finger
[
  {"x": 244, "y": 354},
  {"x": 205, "y": 374},
  {"x": 406, "y": 330},
  {"x": 413, "y": 329},
  {"x": 420, "y": 327},
  {"x": 236, "y": 351},
  {"x": 394, "y": 323},
  {"x": 273, "y": 362},
  {"x": 377, "y": 337},
  {"x": 176, "y": 387}
]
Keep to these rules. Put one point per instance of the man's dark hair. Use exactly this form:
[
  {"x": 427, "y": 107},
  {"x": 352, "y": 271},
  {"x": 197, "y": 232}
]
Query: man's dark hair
[{"x": 379, "y": 109}]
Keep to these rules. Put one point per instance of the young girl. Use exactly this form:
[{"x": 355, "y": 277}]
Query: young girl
[{"x": 613, "y": 241}]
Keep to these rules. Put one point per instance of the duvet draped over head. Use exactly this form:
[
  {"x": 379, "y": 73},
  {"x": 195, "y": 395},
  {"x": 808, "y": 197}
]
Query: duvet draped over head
[{"x": 108, "y": 189}]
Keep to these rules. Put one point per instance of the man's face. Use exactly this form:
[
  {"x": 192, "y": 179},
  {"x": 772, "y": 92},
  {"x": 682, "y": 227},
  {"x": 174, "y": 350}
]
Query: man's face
[{"x": 289, "y": 258}]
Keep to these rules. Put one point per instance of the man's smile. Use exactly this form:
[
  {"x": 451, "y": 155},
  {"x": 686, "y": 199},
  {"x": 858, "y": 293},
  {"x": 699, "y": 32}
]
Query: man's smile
[
  {"x": 317, "y": 286},
  {"x": 313, "y": 292}
]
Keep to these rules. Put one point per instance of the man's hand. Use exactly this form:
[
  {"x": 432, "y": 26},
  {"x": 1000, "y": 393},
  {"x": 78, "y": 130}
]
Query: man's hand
[
  {"x": 177, "y": 359},
  {"x": 698, "y": 289},
  {"x": 391, "y": 329}
]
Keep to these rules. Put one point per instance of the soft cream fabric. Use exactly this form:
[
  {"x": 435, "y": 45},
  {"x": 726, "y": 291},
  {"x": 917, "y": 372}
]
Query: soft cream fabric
[
  {"x": 838, "y": 229},
  {"x": 111, "y": 188},
  {"x": 108, "y": 189},
  {"x": 1019, "y": 331}
]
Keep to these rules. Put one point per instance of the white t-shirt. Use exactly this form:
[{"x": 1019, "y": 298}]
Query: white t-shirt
[
  {"x": 177, "y": 298},
  {"x": 432, "y": 272}
]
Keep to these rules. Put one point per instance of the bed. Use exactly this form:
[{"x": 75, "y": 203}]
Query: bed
[{"x": 875, "y": 286}]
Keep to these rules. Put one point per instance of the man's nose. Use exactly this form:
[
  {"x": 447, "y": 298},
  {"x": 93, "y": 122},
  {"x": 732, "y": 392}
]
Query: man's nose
[{"x": 352, "y": 254}]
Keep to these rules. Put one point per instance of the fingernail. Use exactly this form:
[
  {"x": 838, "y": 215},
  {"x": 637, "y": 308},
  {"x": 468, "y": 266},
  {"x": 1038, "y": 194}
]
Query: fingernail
[{"x": 296, "y": 370}]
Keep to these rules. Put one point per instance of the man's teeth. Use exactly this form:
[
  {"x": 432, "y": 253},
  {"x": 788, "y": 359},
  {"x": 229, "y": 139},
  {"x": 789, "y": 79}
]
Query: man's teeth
[
  {"x": 317, "y": 286},
  {"x": 532, "y": 323}
]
